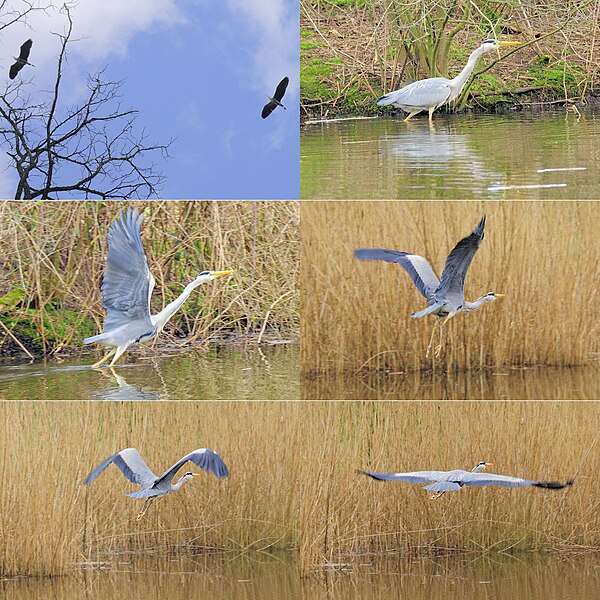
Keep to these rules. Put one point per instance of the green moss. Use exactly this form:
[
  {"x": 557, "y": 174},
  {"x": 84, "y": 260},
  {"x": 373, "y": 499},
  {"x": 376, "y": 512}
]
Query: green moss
[
  {"x": 313, "y": 79},
  {"x": 306, "y": 33},
  {"x": 11, "y": 299},
  {"x": 556, "y": 76},
  {"x": 310, "y": 45}
]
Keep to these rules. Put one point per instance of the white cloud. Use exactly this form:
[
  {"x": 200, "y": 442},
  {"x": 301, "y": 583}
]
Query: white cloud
[{"x": 276, "y": 54}]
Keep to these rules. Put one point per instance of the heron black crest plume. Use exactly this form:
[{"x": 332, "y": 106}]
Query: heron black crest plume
[{"x": 22, "y": 59}]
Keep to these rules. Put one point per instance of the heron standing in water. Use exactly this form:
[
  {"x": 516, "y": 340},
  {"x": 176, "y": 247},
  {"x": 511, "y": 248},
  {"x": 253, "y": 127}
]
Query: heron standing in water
[{"x": 429, "y": 94}]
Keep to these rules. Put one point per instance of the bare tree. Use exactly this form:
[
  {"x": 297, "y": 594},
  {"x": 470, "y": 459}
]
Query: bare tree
[{"x": 89, "y": 150}]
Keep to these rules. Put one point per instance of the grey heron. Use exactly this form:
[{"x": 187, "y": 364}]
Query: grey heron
[
  {"x": 445, "y": 298},
  {"x": 429, "y": 94},
  {"x": 127, "y": 289},
  {"x": 21, "y": 60},
  {"x": 275, "y": 101},
  {"x": 132, "y": 465},
  {"x": 452, "y": 481}
]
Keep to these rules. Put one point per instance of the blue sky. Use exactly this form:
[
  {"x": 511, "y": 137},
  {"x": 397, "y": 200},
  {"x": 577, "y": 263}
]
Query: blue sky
[{"x": 198, "y": 71}]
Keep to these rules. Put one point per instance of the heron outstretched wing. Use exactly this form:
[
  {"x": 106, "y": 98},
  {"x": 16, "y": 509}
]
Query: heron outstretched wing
[
  {"x": 128, "y": 283},
  {"x": 486, "y": 479},
  {"x": 417, "y": 267},
  {"x": 281, "y": 87},
  {"x": 25, "y": 50},
  {"x": 458, "y": 262},
  {"x": 206, "y": 459},
  {"x": 419, "y": 94},
  {"x": 268, "y": 109},
  {"x": 413, "y": 477},
  {"x": 132, "y": 465}
]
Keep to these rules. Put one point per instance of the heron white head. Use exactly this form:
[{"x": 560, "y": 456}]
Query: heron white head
[
  {"x": 481, "y": 466},
  {"x": 210, "y": 275},
  {"x": 490, "y": 297}
]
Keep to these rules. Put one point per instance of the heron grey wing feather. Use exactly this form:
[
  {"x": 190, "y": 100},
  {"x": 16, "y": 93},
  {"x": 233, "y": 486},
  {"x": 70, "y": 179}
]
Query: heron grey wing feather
[
  {"x": 411, "y": 477},
  {"x": 206, "y": 459},
  {"x": 423, "y": 94},
  {"x": 442, "y": 486},
  {"x": 128, "y": 283},
  {"x": 130, "y": 463},
  {"x": 458, "y": 262},
  {"x": 25, "y": 50},
  {"x": 281, "y": 87},
  {"x": 416, "y": 266},
  {"x": 485, "y": 479}
]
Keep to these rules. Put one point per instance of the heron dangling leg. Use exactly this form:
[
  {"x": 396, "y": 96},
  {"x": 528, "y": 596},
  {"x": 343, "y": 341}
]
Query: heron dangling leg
[
  {"x": 436, "y": 496},
  {"x": 145, "y": 508},
  {"x": 118, "y": 353},
  {"x": 431, "y": 339},
  {"x": 103, "y": 360},
  {"x": 431, "y": 109},
  {"x": 438, "y": 350},
  {"x": 412, "y": 114}
]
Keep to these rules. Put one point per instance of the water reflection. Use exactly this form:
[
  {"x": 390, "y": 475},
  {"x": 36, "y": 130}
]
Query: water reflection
[
  {"x": 502, "y": 577},
  {"x": 580, "y": 383},
  {"x": 226, "y": 373},
  {"x": 525, "y": 155}
]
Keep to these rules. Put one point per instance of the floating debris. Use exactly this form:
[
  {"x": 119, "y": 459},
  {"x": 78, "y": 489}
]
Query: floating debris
[
  {"x": 554, "y": 169},
  {"x": 533, "y": 186}
]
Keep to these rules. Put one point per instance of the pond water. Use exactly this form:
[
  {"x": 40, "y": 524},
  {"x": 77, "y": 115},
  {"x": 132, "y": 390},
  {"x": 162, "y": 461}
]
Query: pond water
[
  {"x": 269, "y": 372},
  {"x": 500, "y": 577},
  {"x": 524, "y": 155},
  {"x": 577, "y": 383}
]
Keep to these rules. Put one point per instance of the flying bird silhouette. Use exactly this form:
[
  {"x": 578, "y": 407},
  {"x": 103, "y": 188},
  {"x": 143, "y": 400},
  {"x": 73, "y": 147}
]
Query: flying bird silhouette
[
  {"x": 22, "y": 59},
  {"x": 275, "y": 101}
]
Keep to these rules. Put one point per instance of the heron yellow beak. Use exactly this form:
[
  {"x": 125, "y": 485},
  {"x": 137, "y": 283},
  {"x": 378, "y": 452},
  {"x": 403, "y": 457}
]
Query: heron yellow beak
[
  {"x": 489, "y": 464},
  {"x": 509, "y": 43},
  {"x": 196, "y": 474},
  {"x": 220, "y": 273},
  {"x": 500, "y": 296}
]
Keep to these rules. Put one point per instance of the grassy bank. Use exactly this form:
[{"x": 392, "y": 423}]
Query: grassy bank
[
  {"x": 310, "y": 501},
  {"x": 356, "y": 315},
  {"x": 352, "y": 51},
  {"x": 52, "y": 257}
]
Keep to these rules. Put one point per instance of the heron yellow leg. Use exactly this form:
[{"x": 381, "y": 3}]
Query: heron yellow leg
[
  {"x": 411, "y": 115},
  {"x": 145, "y": 508},
  {"x": 103, "y": 360},
  {"x": 438, "y": 350},
  {"x": 436, "y": 496},
  {"x": 431, "y": 340},
  {"x": 118, "y": 353},
  {"x": 431, "y": 113}
]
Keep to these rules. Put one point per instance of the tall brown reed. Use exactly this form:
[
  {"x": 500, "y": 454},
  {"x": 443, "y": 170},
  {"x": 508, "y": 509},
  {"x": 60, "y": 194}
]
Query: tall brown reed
[
  {"x": 56, "y": 252},
  {"x": 543, "y": 255},
  {"x": 294, "y": 482}
]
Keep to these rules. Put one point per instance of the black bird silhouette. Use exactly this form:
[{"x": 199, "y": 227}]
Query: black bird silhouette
[
  {"x": 275, "y": 101},
  {"x": 22, "y": 60}
]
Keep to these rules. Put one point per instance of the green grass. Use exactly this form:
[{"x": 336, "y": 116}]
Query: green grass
[
  {"x": 314, "y": 78},
  {"x": 557, "y": 77}
]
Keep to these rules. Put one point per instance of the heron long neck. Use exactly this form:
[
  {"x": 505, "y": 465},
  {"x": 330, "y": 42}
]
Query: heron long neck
[
  {"x": 160, "y": 319},
  {"x": 459, "y": 81},
  {"x": 175, "y": 487},
  {"x": 470, "y": 306}
]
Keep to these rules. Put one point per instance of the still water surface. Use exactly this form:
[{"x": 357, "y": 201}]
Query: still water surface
[
  {"x": 264, "y": 578},
  {"x": 526, "y": 155},
  {"x": 578, "y": 383},
  {"x": 228, "y": 373}
]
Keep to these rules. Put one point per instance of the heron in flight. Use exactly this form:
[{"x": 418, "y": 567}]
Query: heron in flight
[
  {"x": 432, "y": 93},
  {"x": 127, "y": 289},
  {"x": 445, "y": 298},
  {"x": 275, "y": 101},
  {"x": 132, "y": 465},
  {"x": 451, "y": 481},
  {"x": 21, "y": 60}
]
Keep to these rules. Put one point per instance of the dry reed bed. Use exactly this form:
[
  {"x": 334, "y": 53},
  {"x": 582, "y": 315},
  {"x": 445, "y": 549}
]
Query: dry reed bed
[
  {"x": 310, "y": 500},
  {"x": 56, "y": 252},
  {"x": 544, "y": 256}
]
